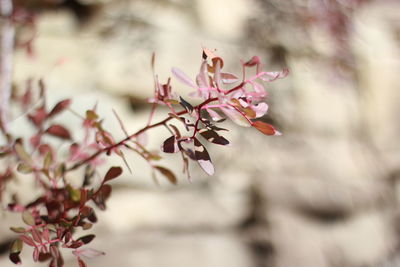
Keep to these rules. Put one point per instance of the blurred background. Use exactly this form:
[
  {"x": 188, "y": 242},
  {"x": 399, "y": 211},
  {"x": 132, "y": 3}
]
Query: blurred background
[{"x": 324, "y": 194}]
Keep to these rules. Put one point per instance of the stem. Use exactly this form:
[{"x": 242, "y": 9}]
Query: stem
[
  {"x": 7, "y": 33},
  {"x": 148, "y": 127}
]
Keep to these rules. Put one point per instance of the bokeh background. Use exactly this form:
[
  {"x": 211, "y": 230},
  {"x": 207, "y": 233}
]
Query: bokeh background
[{"x": 324, "y": 194}]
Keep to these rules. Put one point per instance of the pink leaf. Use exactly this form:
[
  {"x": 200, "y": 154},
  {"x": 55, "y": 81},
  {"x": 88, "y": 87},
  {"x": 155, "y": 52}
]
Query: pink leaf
[
  {"x": 274, "y": 75},
  {"x": 183, "y": 77},
  {"x": 59, "y": 107},
  {"x": 228, "y": 78},
  {"x": 236, "y": 116},
  {"x": 259, "y": 89},
  {"x": 36, "y": 254},
  {"x": 202, "y": 78},
  {"x": 217, "y": 74},
  {"x": 252, "y": 62},
  {"x": 88, "y": 253},
  {"x": 260, "y": 109},
  {"x": 27, "y": 240},
  {"x": 59, "y": 131}
]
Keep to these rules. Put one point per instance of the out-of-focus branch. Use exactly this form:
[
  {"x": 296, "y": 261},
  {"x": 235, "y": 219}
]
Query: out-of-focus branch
[{"x": 6, "y": 60}]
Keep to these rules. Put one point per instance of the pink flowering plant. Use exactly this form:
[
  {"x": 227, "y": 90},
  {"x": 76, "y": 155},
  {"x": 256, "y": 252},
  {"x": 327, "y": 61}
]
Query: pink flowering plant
[{"x": 51, "y": 220}]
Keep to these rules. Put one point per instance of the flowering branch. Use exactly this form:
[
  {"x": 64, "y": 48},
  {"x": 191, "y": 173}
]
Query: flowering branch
[{"x": 53, "y": 217}]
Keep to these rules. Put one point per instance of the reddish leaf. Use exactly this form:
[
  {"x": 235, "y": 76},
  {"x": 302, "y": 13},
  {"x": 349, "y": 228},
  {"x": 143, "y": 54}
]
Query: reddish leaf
[
  {"x": 59, "y": 107},
  {"x": 101, "y": 196},
  {"x": 265, "y": 128},
  {"x": 86, "y": 239},
  {"x": 14, "y": 257},
  {"x": 35, "y": 140},
  {"x": 59, "y": 131},
  {"x": 167, "y": 173},
  {"x": 36, "y": 254},
  {"x": 203, "y": 158},
  {"x": 170, "y": 145},
  {"x": 112, "y": 173},
  {"x": 252, "y": 62},
  {"x": 81, "y": 262},
  {"x": 215, "y": 138},
  {"x": 37, "y": 236},
  {"x": 38, "y": 117}
]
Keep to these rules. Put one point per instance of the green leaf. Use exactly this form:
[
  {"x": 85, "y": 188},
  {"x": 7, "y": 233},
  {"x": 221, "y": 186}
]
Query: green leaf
[
  {"x": 24, "y": 168},
  {"x": 74, "y": 193},
  {"x": 91, "y": 115},
  {"x": 28, "y": 218},
  {"x": 22, "y": 154},
  {"x": 18, "y": 230},
  {"x": 48, "y": 159},
  {"x": 16, "y": 246}
]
